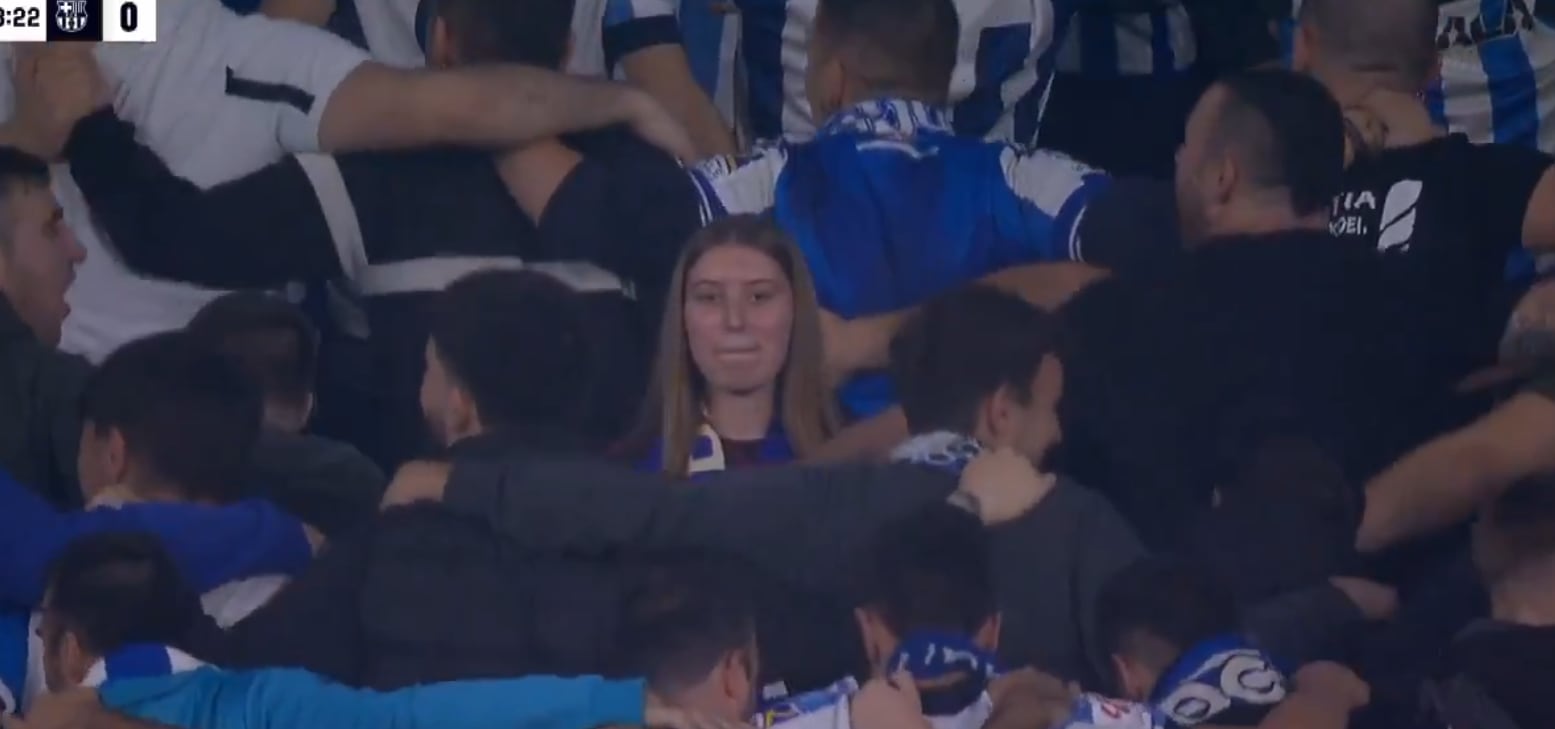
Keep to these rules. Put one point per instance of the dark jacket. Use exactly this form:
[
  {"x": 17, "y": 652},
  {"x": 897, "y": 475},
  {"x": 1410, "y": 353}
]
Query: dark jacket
[
  {"x": 40, "y": 411},
  {"x": 803, "y": 523},
  {"x": 329, "y": 485},
  {"x": 1175, "y": 377},
  {"x": 423, "y": 595}
]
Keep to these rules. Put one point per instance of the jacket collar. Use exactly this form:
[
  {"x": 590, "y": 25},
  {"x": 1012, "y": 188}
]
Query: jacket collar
[
  {"x": 888, "y": 118},
  {"x": 12, "y": 328}
]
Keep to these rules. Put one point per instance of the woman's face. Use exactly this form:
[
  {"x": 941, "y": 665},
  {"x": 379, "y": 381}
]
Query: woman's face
[{"x": 739, "y": 312}]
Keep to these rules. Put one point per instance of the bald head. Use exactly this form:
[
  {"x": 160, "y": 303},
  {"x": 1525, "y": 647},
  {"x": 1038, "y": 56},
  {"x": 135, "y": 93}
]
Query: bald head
[{"x": 1393, "y": 39}]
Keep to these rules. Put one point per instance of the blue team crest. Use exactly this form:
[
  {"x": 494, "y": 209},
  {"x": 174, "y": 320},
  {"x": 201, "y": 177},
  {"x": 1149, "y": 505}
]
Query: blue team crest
[{"x": 70, "y": 16}]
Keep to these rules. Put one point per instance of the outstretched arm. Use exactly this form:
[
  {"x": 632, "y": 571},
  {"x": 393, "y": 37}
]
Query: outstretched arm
[{"x": 498, "y": 106}]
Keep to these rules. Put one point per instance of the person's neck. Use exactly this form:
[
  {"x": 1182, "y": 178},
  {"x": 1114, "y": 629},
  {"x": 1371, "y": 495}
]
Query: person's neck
[
  {"x": 745, "y": 416},
  {"x": 1262, "y": 217},
  {"x": 1384, "y": 114},
  {"x": 134, "y": 490},
  {"x": 1526, "y": 597}
]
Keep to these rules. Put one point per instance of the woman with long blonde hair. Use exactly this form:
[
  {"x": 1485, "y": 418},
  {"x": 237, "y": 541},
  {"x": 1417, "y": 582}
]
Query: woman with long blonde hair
[{"x": 739, "y": 379}]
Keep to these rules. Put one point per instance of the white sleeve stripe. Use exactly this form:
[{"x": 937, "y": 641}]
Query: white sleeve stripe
[
  {"x": 345, "y": 228},
  {"x": 1075, "y": 251}
]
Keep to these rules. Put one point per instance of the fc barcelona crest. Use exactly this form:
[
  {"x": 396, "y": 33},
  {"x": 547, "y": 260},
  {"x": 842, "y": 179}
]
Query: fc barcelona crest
[{"x": 71, "y": 16}]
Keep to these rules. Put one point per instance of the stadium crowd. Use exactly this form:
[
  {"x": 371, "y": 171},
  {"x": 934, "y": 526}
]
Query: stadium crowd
[{"x": 887, "y": 364}]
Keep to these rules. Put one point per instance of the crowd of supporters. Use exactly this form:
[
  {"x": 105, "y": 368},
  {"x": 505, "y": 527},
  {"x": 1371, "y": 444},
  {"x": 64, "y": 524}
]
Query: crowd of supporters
[{"x": 889, "y": 364}]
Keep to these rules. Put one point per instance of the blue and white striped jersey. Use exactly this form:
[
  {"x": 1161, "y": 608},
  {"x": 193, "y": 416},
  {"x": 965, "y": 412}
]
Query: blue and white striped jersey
[
  {"x": 708, "y": 30},
  {"x": 998, "y": 88},
  {"x": 1109, "y": 45},
  {"x": 1498, "y": 71},
  {"x": 891, "y": 207}
]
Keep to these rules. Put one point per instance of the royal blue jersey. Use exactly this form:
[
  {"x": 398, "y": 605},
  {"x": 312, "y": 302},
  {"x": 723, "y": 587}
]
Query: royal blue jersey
[{"x": 891, "y": 207}]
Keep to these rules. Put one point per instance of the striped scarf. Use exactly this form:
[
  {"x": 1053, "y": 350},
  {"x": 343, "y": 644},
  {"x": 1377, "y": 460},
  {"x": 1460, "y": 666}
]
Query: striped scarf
[
  {"x": 707, "y": 452},
  {"x": 139, "y": 660}
]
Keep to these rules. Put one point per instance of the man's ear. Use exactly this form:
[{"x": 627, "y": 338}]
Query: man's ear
[
  {"x": 463, "y": 416},
  {"x": 116, "y": 452},
  {"x": 987, "y": 636}
]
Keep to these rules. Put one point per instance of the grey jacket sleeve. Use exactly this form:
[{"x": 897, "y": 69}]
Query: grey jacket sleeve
[
  {"x": 793, "y": 520},
  {"x": 1052, "y": 564}
]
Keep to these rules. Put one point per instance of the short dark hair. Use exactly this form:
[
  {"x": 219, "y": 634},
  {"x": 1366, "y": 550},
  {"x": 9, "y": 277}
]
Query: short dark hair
[
  {"x": 19, "y": 170},
  {"x": 903, "y": 46},
  {"x": 1518, "y": 527},
  {"x": 531, "y": 32},
  {"x": 270, "y": 339},
  {"x": 518, "y": 342},
  {"x": 185, "y": 411},
  {"x": 685, "y": 613},
  {"x": 960, "y": 348},
  {"x": 1159, "y": 603},
  {"x": 1288, "y": 132},
  {"x": 931, "y": 570},
  {"x": 119, "y": 588},
  {"x": 1394, "y": 39}
]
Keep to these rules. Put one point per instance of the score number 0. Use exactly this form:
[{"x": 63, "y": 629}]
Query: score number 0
[{"x": 130, "y": 21}]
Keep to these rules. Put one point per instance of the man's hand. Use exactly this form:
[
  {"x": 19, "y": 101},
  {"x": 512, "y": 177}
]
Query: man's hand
[
  {"x": 1002, "y": 485},
  {"x": 657, "y": 126},
  {"x": 71, "y": 709},
  {"x": 56, "y": 86},
  {"x": 417, "y": 481},
  {"x": 1334, "y": 683},
  {"x": 888, "y": 704},
  {"x": 1376, "y": 601},
  {"x": 1030, "y": 699},
  {"x": 668, "y": 718}
]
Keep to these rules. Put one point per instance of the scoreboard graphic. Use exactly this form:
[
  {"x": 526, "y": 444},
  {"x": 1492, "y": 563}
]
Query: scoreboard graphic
[{"x": 110, "y": 21}]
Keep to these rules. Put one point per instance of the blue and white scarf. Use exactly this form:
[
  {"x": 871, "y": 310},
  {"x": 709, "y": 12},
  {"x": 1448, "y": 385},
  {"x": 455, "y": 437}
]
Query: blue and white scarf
[
  {"x": 1222, "y": 681},
  {"x": 139, "y": 660},
  {"x": 707, "y": 452},
  {"x": 1093, "y": 711},
  {"x": 940, "y": 449}
]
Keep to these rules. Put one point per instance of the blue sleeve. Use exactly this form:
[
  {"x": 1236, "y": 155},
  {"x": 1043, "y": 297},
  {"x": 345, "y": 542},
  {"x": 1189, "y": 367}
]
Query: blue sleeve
[
  {"x": 1051, "y": 192},
  {"x": 13, "y": 658},
  {"x": 212, "y": 545},
  {"x": 291, "y": 699}
]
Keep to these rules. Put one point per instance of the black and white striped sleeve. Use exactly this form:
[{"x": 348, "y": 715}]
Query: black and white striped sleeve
[{"x": 273, "y": 226}]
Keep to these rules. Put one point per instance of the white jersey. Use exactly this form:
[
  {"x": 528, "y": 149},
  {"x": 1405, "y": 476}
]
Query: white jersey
[{"x": 217, "y": 96}]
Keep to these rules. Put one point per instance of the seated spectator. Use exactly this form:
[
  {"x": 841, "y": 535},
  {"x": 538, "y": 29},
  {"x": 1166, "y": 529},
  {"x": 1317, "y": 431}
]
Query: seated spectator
[
  {"x": 423, "y": 595},
  {"x": 978, "y": 368},
  {"x": 739, "y": 380},
  {"x": 168, "y": 418},
  {"x": 1498, "y": 671},
  {"x": 38, "y": 255},
  {"x": 928, "y": 607},
  {"x": 327, "y": 484},
  {"x": 689, "y": 628},
  {"x": 508, "y": 365},
  {"x": 1173, "y": 638},
  {"x": 115, "y": 608}
]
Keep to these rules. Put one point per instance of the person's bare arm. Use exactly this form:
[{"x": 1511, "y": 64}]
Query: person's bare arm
[
  {"x": 1444, "y": 481},
  {"x": 497, "y": 106},
  {"x": 310, "y": 12},
  {"x": 867, "y": 441},
  {"x": 664, "y": 72},
  {"x": 1539, "y": 221},
  {"x": 862, "y": 344}
]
